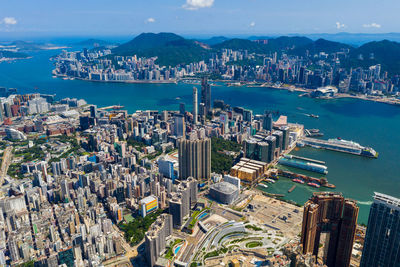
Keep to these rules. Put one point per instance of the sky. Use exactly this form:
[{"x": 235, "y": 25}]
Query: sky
[{"x": 196, "y": 17}]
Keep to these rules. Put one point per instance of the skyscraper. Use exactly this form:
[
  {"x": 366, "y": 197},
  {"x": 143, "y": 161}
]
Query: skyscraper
[
  {"x": 155, "y": 238},
  {"x": 206, "y": 94},
  {"x": 179, "y": 125},
  {"x": 93, "y": 111},
  {"x": 267, "y": 121},
  {"x": 332, "y": 220},
  {"x": 194, "y": 158},
  {"x": 382, "y": 240},
  {"x": 195, "y": 105},
  {"x": 182, "y": 108}
]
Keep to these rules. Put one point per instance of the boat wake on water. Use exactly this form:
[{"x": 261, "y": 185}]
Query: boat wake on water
[{"x": 364, "y": 202}]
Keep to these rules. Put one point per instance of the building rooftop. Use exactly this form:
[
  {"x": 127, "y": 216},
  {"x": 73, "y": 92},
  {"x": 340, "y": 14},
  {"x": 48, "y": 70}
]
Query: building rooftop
[
  {"x": 224, "y": 187},
  {"x": 387, "y": 199}
]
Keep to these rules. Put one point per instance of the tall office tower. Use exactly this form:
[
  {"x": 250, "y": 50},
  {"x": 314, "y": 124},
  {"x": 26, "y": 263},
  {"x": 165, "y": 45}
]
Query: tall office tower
[
  {"x": 195, "y": 105},
  {"x": 93, "y": 111},
  {"x": 256, "y": 150},
  {"x": 206, "y": 94},
  {"x": 381, "y": 243},
  {"x": 182, "y": 108},
  {"x": 7, "y": 110},
  {"x": 279, "y": 139},
  {"x": 64, "y": 189},
  {"x": 195, "y": 158},
  {"x": 179, "y": 125},
  {"x": 329, "y": 219},
  {"x": 285, "y": 131},
  {"x": 267, "y": 121},
  {"x": 182, "y": 200},
  {"x": 155, "y": 238},
  {"x": 271, "y": 140}
]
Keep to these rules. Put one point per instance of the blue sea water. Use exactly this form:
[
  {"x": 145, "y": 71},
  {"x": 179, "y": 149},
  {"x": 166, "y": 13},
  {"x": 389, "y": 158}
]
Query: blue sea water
[{"x": 368, "y": 123}]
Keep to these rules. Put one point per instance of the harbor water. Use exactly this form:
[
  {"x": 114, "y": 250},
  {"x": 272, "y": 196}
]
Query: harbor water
[{"x": 371, "y": 124}]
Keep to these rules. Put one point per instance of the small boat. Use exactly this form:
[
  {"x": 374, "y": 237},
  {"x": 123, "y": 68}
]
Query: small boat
[
  {"x": 298, "y": 181},
  {"x": 263, "y": 185},
  {"x": 314, "y": 185},
  {"x": 270, "y": 181},
  {"x": 313, "y": 116},
  {"x": 178, "y": 98}
]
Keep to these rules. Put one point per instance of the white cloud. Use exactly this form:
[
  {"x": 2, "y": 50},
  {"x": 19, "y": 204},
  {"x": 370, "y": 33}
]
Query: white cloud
[
  {"x": 372, "y": 25},
  {"x": 340, "y": 25},
  {"x": 150, "y": 20},
  {"x": 196, "y": 4},
  {"x": 9, "y": 21},
  {"x": 252, "y": 24}
]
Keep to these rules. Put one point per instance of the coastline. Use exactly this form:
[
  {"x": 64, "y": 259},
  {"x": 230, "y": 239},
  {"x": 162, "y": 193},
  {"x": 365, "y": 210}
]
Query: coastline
[
  {"x": 291, "y": 88},
  {"x": 113, "y": 81}
]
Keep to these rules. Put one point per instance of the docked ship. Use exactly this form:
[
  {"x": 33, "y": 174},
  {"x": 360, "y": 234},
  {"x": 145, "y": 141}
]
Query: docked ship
[
  {"x": 298, "y": 181},
  {"x": 341, "y": 145},
  {"x": 314, "y": 185},
  {"x": 308, "y": 165}
]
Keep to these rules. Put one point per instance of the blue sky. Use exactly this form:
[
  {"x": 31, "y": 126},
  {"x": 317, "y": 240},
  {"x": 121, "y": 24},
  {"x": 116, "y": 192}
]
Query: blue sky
[{"x": 196, "y": 17}]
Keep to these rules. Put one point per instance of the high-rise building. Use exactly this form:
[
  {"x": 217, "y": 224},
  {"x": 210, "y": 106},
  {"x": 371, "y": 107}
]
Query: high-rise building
[
  {"x": 267, "y": 121},
  {"x": 179, "y": 125},
  {"x": 195, "y": 105},
  {"x": 194, "y": 158},
  {"x": 271, "y": 140},
  {"x": 331, "y": 220},
  {"x": 93, "y": 111},
  {"x": 382, "y": 240},
  {"x": 182, "y": 108},
  {"x": 206, "y": 94},
  {"x": 156, "y": 238},
  {"x": 256, "y": 150},
  {"x": 286, "y": 133},
  {"x": 182, "y": 200}
]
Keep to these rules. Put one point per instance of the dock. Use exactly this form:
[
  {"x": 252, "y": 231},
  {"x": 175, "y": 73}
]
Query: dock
[
  {"x": 291, "y": 189},
  {"x": 309, "y": 160},
  {"x": 354, "y": 148}
]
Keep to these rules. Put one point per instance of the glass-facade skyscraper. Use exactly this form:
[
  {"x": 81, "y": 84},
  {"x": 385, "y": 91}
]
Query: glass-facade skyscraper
[{"x": 382, "y": 240}]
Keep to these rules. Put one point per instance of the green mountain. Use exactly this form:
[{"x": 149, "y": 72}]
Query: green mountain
[
  {"x": 386, "y": 53},
  {"x": 272, "y": 45},
  {"x": 286, "y": 42},
  {"x": 171, "y": 49},
  {"x": 321, "y": 45},
  {"x": 242, "y": 44}
]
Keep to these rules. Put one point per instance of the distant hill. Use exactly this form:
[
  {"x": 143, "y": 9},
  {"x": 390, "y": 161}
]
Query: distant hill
[
  {"x": 171, "y": 49},
  {"x": 286, "y": 42},
  {"x": 356, "y": 39},
  {"x": 214, "y": 40},
  {"x": 93, "y": 43},
  {"x": 386, "y": 53},
  {"x": 242, "y": 44},
  {"x": 272, "y": 45},
  {"x": 321, "y": 45}
]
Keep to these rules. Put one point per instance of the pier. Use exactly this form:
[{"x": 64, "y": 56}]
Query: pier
[
  {"x": 291, "y": 189},
  {"x": 309, "y": 160}
]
